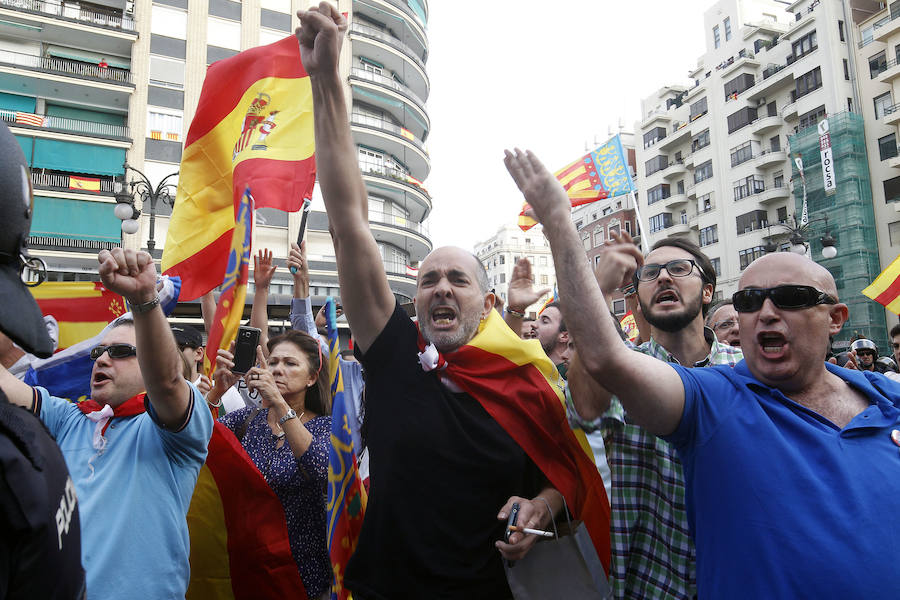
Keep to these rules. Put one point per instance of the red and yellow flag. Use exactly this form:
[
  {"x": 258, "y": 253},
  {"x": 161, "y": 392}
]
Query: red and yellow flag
[
  {"x": 82, "y": 309},
  {"x": 238, "y": 532},
  {"x": 885, "y": 290},
  {"x": 89, "y": 184},
  {"x": 253, "y": 127}
]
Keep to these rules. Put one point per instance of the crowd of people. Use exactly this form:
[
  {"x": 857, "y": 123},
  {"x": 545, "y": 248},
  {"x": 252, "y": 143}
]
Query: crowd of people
[{"x": 732, "y": 455}]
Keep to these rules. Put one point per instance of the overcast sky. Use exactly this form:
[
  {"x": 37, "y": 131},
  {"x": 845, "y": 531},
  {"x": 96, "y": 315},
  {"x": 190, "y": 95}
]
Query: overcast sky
[{"x": 539, "y": 75}]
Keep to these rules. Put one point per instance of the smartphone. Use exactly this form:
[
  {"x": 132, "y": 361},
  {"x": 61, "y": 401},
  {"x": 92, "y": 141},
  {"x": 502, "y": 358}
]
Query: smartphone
[{"x": 245, "y": 349}]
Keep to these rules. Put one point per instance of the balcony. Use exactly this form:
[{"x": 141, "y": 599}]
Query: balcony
[
  {"x": 891, "y": 115},
  {"x": 674, "y": 170},
  {"x": 64, "y": 182},
  {"x": 675, "y": 200},
  {"x": 765, "y": 124},
  {"x": 388, "y": 50},
  {"x": 772, "y": 78},
  {"x": 885, "y": 30},
  {"x": 680, "y": 135},
  {"x": 789, "y": 111},
  {"x": 731, "y": 66},
  {"x": 392, "y": 96},
  {"x": 679, "y": 229},
  {"x": 111, "y": 19},
  {"x": 656, "y": 115},
  {"x": 65, "y": 66},
  {"x": 378, "y": 133},
  {"x": 64, "y": 124},
  {"x": 401, "y": 232},
  {"x": 398, "y": 187},
  {"x": 773, "y": 195},
  {"x": 769, "y": 158},
  {"x": 891, "y": 71},
  {"x": 410, "y": 29},
  {"x": 894, "y": 163}
]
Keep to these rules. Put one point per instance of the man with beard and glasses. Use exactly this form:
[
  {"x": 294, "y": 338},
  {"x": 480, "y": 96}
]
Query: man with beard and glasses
[
  {"x": 653, "y": 556},
  {"x": 461, "y": 415},
  {"x": 787, "y": 458}
]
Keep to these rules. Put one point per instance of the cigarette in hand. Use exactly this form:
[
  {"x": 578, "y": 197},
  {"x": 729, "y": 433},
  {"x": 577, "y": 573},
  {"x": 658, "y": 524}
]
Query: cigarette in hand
[{"x": 532, "y": 531}]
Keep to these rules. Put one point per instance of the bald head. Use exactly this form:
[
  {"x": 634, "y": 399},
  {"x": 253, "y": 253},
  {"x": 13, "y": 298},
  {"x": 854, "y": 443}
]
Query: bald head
[
  {"x": 462, "y": 255},
  {"x": 780, "y": 268}
]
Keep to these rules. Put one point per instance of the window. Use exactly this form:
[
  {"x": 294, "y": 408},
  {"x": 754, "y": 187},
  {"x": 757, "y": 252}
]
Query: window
[
  {"x": 703, "y": 172},
  {"x": 269, "y": 36},
  {"x": 709, "y": 235},
  {"x": 742, "y": 118},
  {"x": 545, "y": 279},
  {"x": 657, "y": 163},
  {"x": 653, "y": 136},
  {"x": 808, "y": 82},
  {"x": 599, "y": 236},
  {"x": 727, "y": 24},
  {"x": 747, "y": 187},
  {"x": 738, "y": 85},
  {"x": 164, "y": 124},
  {"x": 877, "y": 64},
  {"x": 607, "y": 210},
  {"x": 751, "y": 221},
  {"x": 804, "y": 45},
  {"x": 170, "y": 22},
  {"x": 283, "y": 6},
  {"x": 812, "y": 117},
  {"x": 679, "y": 187},
  {"x": 749, "y": 255},
  {"x": 846, "y": 70},
  {"x": 699, "y": 108},
  {"x": 619, "y": 307},
  {"x": 542, "y": 261},
  {"x": 716, "y": 41},
  {"x": 781, "y": 214},
  {"x": 772, "y": 109},
  {"x": 741, "y": 154},
  {"x": 167, "y": 72},
  {"x": 778, "y": 179},
  {"x": 894, "y": 233},
  {"x": 701, "y": 140},
  {"x": 882, "y": 104},
  {"x": 502, "y": 277},
  {"x": 704, "y": 203},
  {"x": 586, "y": 241},
  {"x": 841, "y": 31},
  {"x": 717, "y": 266},
  {"x": 223, "y": 33},
  {"x": 660, "y": 222},
  {"x": 892, "y": 189},
  {"x": 887, "y": 146},
  {"x": 657, "y": 193},
  {"x": 502, "y": 259}
]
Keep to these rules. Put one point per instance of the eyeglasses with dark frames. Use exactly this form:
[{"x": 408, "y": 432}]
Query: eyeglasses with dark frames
[
  {"x": 114, "y": 350},
  {"x": 680, "y": 267},
  {"x": 788, "y": 297}
]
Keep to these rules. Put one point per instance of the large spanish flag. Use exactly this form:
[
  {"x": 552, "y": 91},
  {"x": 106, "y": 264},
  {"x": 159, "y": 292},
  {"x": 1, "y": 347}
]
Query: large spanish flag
[
  {"x": 253, "y": 127},
  {"x": 885, "y": 290},
  {"x": 82, "y": 309}
]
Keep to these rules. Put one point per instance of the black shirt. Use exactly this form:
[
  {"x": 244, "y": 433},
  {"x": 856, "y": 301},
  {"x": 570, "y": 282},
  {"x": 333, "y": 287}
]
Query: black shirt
[
  {"x": 40, "y": 532},
  {"x": 440, "y": 470}
]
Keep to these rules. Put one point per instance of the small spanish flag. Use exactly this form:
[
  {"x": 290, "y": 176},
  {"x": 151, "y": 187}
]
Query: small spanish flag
[
  {"x": 88, "y": 184},
  {"x": 629, "y": 326},
  {"x": 82, "y": 308},
  {"x": 253, "y": 128},
  {"x": 885, "y": 290}
]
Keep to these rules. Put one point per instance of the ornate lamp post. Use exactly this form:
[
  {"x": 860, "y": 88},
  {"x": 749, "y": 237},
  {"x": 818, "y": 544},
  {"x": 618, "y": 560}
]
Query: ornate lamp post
[
  {"x": 799, "y": 237},
  {"x": 125, "y": 193}
]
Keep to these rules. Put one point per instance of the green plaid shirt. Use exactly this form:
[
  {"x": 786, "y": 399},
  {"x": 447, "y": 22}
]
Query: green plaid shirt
[{"x": 652, "y": 552}]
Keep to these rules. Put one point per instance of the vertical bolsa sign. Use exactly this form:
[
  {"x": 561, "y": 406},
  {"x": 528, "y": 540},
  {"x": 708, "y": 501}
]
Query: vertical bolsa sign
[{"x": 827, "y": 160}]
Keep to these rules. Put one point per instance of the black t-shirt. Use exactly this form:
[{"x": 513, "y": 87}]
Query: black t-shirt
[
  {"x": 40, "y": 531},
  {"x": 440, "y": 470}
]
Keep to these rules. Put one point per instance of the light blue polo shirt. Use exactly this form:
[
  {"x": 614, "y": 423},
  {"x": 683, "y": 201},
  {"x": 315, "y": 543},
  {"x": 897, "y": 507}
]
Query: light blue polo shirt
[
  {"x": 782, "y": 503},
  {"x": 134, "y": 535}
]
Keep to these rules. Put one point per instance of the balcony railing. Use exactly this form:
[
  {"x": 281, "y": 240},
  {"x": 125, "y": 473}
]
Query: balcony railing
[
  {"x": 381, "y": 170},
  {"x": 64, "y": 182},
  {"x": 402, "y": 5},
  {"x": 64, "y": 124},
  {"x": 387, "y": 82},
  {"x": 385, "y": 125},
  {"x": 387, "y": 38},
  {"x": 398, "y": 221},
  {"x": 67, "y": 66},
  {"x": 396, "y": 267},
  {"x": 73, "y": 11}
]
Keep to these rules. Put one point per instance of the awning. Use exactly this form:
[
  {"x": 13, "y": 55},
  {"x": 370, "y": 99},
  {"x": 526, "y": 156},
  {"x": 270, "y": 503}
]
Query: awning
[
  {"x": 26, "y": 143},
  {"x": 89, "y": 57},
  {"x": 77, "y": 158},
  {"x": 75, "y": 219}
]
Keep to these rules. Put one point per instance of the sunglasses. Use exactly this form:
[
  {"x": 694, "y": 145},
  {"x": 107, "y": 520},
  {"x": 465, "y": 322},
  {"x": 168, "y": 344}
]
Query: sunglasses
[
  {"x": 790, "y": 297},
  {"x": 680, "y": 267},
  {"x": 115, "y": 351}
]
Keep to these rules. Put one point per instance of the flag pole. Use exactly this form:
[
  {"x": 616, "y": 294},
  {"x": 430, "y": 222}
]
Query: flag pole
[
  {"x": 305, "y": 213},
  {"x": 637, "y": 214}
]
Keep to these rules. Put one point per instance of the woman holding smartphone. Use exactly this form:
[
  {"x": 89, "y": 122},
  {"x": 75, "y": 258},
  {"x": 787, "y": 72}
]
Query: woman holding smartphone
[{"x": 289, "y": 440}]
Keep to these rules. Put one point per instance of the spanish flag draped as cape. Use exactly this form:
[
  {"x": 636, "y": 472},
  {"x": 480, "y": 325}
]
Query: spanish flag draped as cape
[
  {"x": 253, "y": 128},
  {"x": 521, "y": 389}
]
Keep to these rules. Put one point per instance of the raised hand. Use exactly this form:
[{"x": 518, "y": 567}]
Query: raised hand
[
  {"x": 616, "y": 263},
  {"x": 263, "y": 269},
  {"x": 521, "y": 292},
  {"x": 296, "y": 263},
  {"x": 542, "y": 191},
  {"x": 223, "y": 378},
  {"x": 128, "y": 273},
  {"x": 260, "y": 379},
  {"x": 321, "y": 33}
]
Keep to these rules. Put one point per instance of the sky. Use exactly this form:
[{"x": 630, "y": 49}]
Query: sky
[{"x": 549, "y": 77}]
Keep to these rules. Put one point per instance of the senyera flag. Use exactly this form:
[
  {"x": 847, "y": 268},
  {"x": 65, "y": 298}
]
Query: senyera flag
[
  {"x": 253, "y": 127},
  {"x": 885, "y": 290},
  {"x": 600, "y": 174},
  {"x": 230, "y": 307},
  {"x": 346, "y": 505}
]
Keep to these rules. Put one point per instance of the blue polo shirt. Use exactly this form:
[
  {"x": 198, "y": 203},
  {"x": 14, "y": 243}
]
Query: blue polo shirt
[
  {"x": 133, "y": 497},
  {"x": 782, "y": 503}
]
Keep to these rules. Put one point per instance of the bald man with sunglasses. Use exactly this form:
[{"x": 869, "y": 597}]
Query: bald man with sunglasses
[{"x": 786, "y": 458}]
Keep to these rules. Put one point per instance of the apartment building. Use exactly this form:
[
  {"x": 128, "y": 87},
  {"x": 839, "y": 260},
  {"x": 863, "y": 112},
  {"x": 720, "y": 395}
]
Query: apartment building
[
  {"x": 501, "y": 251},
  {"x": 716, "y": 159},
  {"x": 102, "y": 83}
]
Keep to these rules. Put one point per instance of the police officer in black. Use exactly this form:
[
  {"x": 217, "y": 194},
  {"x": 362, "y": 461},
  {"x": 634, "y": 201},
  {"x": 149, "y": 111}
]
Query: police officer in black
[{"x": 40, "y": 532}]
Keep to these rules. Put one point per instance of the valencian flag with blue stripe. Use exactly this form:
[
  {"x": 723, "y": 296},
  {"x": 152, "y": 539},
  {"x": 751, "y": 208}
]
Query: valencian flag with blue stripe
[
  {"x": 253, "y": 128},
  {"x": 600, "y": 174},
  {"x": 230, "y": 307},
  {"x": 346, "y": 494}
]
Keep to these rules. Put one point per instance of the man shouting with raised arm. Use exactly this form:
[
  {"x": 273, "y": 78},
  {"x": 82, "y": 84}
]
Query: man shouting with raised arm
[
  {"x": 782, "y": 453},
  {"x": 457, "y": 431}
]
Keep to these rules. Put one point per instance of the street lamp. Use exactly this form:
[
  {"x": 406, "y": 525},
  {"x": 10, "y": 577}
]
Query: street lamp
[
  {"x": 798, "y": 237},
  {"x": 125, "y": 191}
]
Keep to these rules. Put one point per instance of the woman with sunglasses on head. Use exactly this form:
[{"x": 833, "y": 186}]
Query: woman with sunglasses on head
[{"x": 288, "y": 440}]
